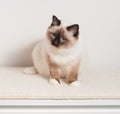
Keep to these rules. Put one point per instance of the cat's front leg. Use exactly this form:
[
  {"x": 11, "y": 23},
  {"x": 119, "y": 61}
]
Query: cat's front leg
[
  {"x": 73, "y": 72},
  {"x": 53, "y": 71},
  {"x": 73, "y": 79},
  {"x": 54, "y": 74}
]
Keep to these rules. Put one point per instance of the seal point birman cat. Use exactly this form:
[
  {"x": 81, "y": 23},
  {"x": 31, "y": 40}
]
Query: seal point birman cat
[{"x": 58, "y": 53}]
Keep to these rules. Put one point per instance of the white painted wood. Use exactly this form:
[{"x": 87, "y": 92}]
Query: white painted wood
[
  {"x": 59, "y": 102},
  {"x": 60, "y": 111}
]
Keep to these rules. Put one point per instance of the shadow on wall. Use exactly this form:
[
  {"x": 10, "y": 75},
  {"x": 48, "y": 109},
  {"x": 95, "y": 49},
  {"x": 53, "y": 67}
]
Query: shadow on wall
[{"x": 23, "y": 56}]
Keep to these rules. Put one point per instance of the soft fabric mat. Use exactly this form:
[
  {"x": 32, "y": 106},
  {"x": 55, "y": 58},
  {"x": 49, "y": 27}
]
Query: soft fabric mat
[{"x": 94, "y": 84}]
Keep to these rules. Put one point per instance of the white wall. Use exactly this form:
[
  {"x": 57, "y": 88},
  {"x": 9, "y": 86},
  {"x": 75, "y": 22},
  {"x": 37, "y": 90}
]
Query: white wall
[{"x": 23, "y": 22}]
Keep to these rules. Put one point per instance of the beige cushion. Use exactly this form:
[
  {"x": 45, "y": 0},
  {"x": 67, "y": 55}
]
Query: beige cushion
[{"x": 94, "y": 84}]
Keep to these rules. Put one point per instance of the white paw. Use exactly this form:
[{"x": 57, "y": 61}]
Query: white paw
[
  {"x": 53, "y": 82},
  {"x": 75, "y": 84}
]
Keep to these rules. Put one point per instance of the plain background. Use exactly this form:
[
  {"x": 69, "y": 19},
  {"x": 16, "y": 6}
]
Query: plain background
[{"x": 24, "y": 22}]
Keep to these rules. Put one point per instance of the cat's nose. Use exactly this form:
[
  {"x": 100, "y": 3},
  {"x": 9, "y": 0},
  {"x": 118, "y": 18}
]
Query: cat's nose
[{"x": 56, "y": 43}]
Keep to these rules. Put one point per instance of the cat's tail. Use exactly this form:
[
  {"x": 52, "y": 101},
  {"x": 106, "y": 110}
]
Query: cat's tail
[{"x": 30, "y": 70}]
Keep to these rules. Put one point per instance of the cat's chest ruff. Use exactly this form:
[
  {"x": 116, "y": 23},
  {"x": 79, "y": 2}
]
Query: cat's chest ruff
[
  {"x": 63, "y": 56},
  {"x": 63, "y": 59}
]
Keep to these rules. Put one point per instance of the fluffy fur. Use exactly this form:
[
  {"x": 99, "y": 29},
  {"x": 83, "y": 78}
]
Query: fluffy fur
[{"x": 58, "y": 59}]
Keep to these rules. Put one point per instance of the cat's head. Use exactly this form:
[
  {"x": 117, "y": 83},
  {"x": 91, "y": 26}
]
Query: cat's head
[{"x": 62, "y": 36}]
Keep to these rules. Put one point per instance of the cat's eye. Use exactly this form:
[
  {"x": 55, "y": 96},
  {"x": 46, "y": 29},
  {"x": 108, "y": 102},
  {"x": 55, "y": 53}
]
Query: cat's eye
[
  {"x": 53, "y": 36},
  {"x": 63, "y": 40}
]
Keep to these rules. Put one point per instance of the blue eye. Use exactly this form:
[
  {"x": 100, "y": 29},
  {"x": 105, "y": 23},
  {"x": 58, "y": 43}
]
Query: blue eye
[
  {"x": 53, "y": 36},
  {"x": 63, "y": 40}
]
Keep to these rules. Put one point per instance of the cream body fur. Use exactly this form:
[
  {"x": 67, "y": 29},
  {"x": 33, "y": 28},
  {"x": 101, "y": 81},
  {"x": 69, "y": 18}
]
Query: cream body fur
[{"x": 63, "y": 57}]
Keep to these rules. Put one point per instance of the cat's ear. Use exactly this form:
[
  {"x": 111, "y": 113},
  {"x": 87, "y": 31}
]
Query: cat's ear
[
  {"x": 55, "y": 21},
  {"x": 74, "y": 29}
]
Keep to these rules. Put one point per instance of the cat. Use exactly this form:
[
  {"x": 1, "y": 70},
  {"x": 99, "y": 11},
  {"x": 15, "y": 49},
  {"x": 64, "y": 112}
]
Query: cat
[{"x": 58, "y": 54}]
